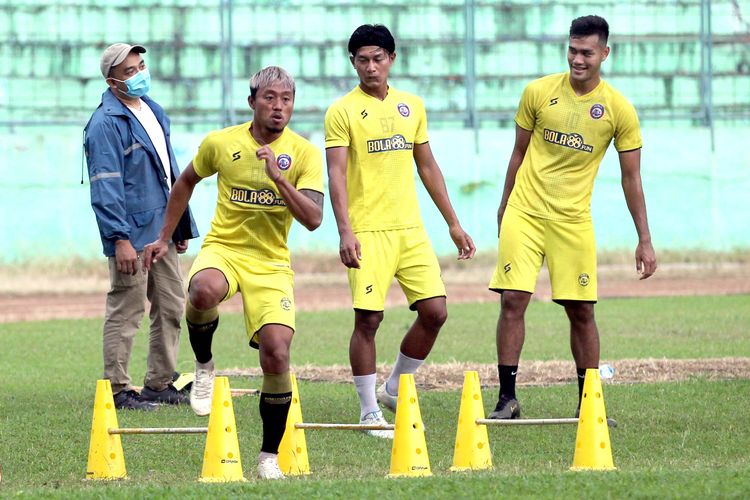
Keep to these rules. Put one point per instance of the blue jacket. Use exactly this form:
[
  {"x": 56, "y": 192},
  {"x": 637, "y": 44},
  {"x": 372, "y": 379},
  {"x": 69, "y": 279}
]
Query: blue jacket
[{"x": 129, "y": 190}]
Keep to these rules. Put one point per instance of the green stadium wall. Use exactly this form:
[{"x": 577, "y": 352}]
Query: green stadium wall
[
  {"x": 688, "y": 76},
  {"x": 696, "y": 199}
]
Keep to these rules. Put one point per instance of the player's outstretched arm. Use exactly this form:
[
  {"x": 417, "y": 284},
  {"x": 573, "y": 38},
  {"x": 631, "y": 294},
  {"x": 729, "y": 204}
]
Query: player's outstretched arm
[
  {"x": 645, "y": 256},
  {"x": 349, "y": 249},
  {"x": 434, "y": 182},
  {"x": 179, "y": 197},
  {"x": 306, "y": 205},
  {"x": 523, "y": 137}
]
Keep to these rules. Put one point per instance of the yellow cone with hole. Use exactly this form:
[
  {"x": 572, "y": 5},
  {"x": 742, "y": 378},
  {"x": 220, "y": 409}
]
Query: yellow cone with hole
[
  {"x": 221, "y": 459},
  {"x": 409, "y": 453},
  {"x": 106, "y": 460},
  {"x": 472, "y": 451},
  {"x": 593, "y": 449},
  {"x": 293, "y": 448}
]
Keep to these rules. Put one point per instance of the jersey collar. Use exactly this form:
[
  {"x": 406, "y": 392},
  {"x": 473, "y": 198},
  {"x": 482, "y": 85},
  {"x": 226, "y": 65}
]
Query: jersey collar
[
  {"x": 588, "y": 95},
  {"x": 365, "y": 94},
  {"x": 256, "y": 143}
]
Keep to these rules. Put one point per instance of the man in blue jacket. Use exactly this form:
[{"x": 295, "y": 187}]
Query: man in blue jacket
[{"x": 131, "y": 170}]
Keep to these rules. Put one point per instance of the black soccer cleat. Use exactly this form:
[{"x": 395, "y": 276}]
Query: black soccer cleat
[
  {"x": 131, "y": 400},
  {"x": 168, "y": 396},
  {"x": 506, "y": 409}
]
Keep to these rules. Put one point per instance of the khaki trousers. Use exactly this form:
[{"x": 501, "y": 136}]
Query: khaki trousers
[{"x": 163, "y": 288}]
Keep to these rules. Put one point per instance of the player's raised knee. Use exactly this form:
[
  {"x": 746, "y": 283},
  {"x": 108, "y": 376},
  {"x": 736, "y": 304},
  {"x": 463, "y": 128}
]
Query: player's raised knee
[{"x": 204, "y": 296}]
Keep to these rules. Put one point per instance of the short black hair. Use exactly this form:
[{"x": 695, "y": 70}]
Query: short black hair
[
  {"x": 590, "y": 25},
  {"x": 371, "y": 34}
]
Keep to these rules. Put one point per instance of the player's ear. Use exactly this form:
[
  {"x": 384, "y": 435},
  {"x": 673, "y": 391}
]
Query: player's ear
[
  {"x": 605, "y": 53},
  {"x": 392, "y": 56},
  {"x": 251, "y": 102},
  {"x": 351, "y": 60}
]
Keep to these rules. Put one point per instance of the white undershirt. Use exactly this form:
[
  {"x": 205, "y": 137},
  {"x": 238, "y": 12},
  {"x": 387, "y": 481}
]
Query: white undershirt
[{"x": 156, "y": 134}]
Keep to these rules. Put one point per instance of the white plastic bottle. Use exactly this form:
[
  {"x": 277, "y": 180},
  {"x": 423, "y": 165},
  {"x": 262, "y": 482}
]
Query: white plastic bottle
[{"x": 606, "y": 371}]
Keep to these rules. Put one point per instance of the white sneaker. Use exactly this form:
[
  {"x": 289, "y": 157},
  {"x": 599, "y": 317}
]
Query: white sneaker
[
  {"x": 376, "y": 418},
  {"x": 202, "y": 391},
  {"x": 268, "y": 467},
  {"x": 385, "y": 398}
]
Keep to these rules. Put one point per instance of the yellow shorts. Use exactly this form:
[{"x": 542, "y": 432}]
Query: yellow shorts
[
  {"x": 405, "y": 254},
  {"x": 569, "y": 247},
  {"x": 267, "y": 289}
]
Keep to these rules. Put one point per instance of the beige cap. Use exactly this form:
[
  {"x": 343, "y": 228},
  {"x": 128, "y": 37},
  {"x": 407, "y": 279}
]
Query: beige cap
[{"x": 115, "y": 54}]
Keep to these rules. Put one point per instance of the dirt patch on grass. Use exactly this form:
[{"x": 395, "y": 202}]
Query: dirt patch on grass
[
  {"x": 450, "y": 376},
  {"x": 321, "y": 284}
]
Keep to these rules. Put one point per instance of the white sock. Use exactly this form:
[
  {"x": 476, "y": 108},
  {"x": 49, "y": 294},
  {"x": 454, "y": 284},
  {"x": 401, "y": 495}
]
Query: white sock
[
  {"x": 404, "y": 364},
  {"x": 264, "y": 455},
  {"x": 365, "y": 385}
]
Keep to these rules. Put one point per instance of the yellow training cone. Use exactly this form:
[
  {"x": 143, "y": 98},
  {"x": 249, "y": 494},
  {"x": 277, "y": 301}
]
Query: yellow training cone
[
  {"x": 593, "y": 450},
  {"x": 106, "y": 460},
  {"x": 221, "y": 459},
  {"x": 293, "y": 448},
  {"x": 472, "y": 444},
  {"x": 409, "y": 452}
]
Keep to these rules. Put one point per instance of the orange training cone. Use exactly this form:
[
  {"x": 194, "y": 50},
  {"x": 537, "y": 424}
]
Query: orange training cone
[
  {"x": 106, "y": 459},
  {"x": 472, "y": 451},
  {"x": 593, "y": 450},
  {"x": 293, "y": 448},
  {"x": 409, "y": 453},
  {"x": 221, "y": 459}
]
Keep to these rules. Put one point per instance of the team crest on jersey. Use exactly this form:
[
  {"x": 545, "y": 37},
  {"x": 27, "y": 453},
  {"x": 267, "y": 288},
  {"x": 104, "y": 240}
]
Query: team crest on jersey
[
  {"x": 596, "y": 111},
  {"x": 403, "y": 109},
  {"x": 284, "y": 161},
  {"x": 285, "y": 303},
  {"x": 583, "y": 279}
]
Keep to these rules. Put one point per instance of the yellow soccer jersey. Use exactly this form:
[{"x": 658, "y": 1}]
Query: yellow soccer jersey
[
  {"x": 251, "y": 216},
  {"x": 380, "y": 137},
  {"x": 570, "y": 136}
]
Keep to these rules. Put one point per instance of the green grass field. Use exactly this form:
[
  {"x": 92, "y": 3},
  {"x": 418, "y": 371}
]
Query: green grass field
[{"x": 680, "y": 439}]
